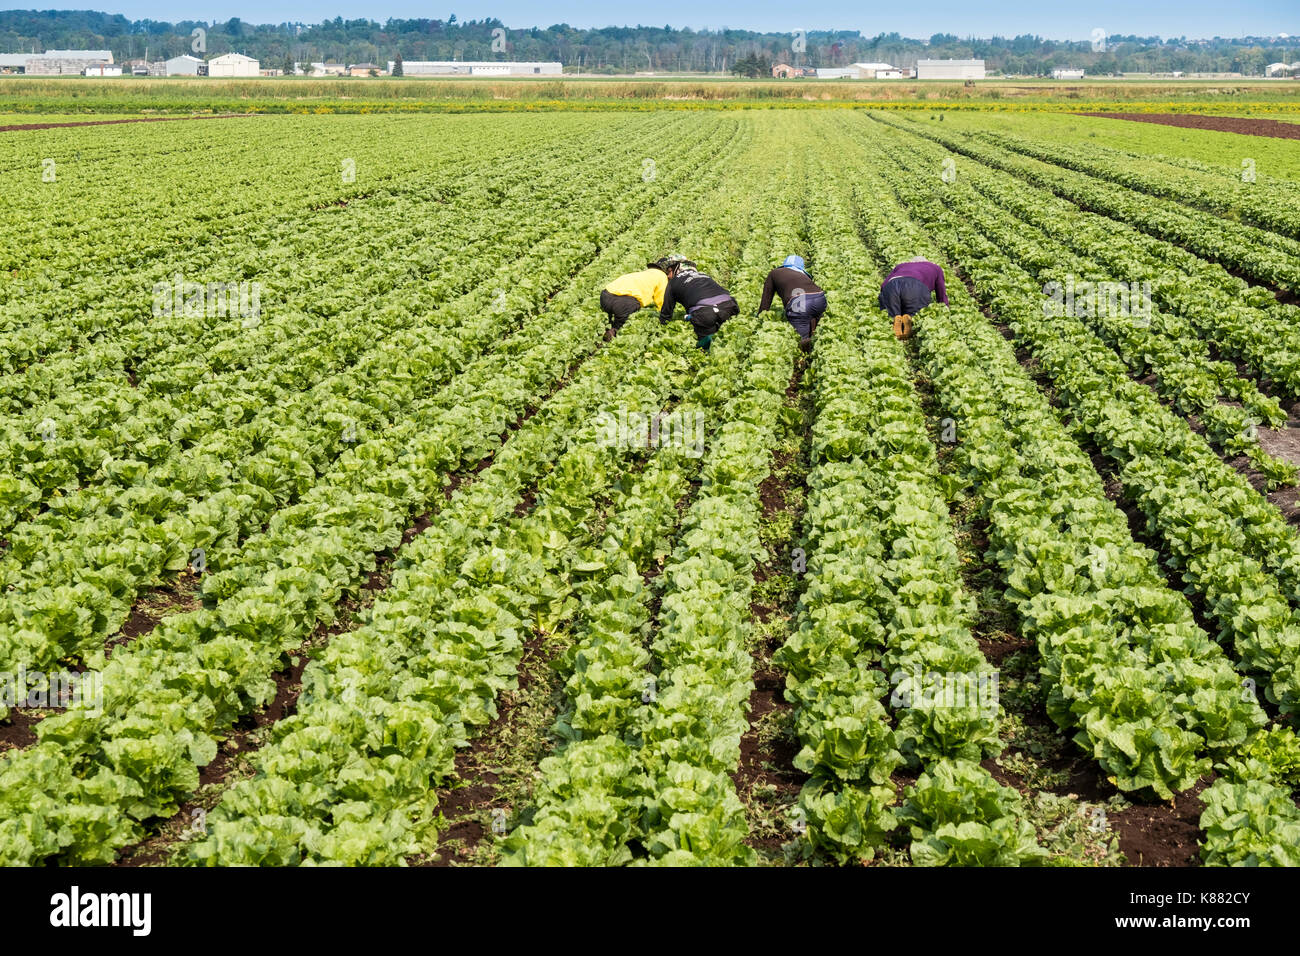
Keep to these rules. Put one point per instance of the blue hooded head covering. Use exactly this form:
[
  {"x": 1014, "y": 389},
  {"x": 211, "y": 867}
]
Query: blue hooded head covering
[{"x": 794, "y": 262}]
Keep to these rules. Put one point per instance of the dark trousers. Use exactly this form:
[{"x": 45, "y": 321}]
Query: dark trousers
[
  {"x": 804, "y": 310},
  {"x": 904, "y": 296},
  {"x": 618, "y": 307},
  {"x": 707, "y": 319}
]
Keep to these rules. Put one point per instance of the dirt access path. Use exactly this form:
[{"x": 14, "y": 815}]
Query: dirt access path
[
  {"x": 1222, "y": 124},
  {"x": 136, "y": 119}
]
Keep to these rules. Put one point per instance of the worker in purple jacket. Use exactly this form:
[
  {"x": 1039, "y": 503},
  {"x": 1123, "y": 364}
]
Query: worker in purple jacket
[{"x": 909, "y": 287}]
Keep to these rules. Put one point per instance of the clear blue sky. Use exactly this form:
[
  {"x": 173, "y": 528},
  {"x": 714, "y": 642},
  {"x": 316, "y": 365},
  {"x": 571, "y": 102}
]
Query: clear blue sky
[{"x": 1056, "y": 20}]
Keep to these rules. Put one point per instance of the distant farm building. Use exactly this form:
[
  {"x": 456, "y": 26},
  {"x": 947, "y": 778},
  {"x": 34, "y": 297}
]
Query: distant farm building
[
  {"x": 861, "y": 71},
  {"x": 1067, "y": 74},
  {"x": 233, "y": 64},
  {"x": 328, "y": 69},
  {"x": 477, "y": 68},
  {"x": 184, "y": 65},
  {"x": 363, "y": 69},
  {"x": 878, "y": 71},
  {"x": 950, "y": 69},
  {"x": 102, "y": 69},
  {"x": 784, "y": 71},
  {"x": 144, "y": 67},
  {"x": 66, "y": 62}
]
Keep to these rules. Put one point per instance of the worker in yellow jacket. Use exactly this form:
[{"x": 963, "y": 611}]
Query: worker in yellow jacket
[{"x": 632, "y": 292}]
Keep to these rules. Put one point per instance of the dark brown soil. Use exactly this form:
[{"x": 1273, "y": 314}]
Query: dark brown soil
[
  {"x": 1286, "y": 500},
  {"x": 18, "y": 730},
  {"x": 246, "y": 738},
  {"x": 153, "y": 604},
  {"x": 465, "y": 806},
  {"x": 1284, "y": 442},
  {"x": 1284, "y": 296},
  {"x": 1150, "y": 834},
  {"x": 996, "y": 651},
  {"x": 1164, "y": 834},
  {"x": 1222, "y": 124},
  {"x": 768, "y": 764},
  {"x": 154, "y": 851},
  {"x": 140, "y": 119}
]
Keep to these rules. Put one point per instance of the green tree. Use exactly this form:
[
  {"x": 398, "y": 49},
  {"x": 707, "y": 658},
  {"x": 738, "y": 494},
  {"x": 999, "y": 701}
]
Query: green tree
[
  {"x": 397, "y": 66},
  {"x": 751, "y": 66}
]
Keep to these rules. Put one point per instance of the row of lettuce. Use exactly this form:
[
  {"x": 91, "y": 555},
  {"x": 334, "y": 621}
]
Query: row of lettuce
[
  {"x": 656, "y": 698},
  {"x": 85, "y": 789},
  {"x": 562, "y": 532},
  {"x": 1149, "y": 693},
  {"x": 883, "y": 611},
  {"x": 447, "y": 635},
  {"x": 1245, "y": 194},
  {"x": 190, "y": 475},
  {"x": 1227, "y": 541},
  {"x": 1259, "y": 254}
]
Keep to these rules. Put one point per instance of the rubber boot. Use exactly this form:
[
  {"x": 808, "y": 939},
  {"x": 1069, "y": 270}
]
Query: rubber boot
[{"x": 903, "y": 326}]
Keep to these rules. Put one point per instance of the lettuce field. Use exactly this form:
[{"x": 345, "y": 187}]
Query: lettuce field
[{"x": 316, "y": 546}]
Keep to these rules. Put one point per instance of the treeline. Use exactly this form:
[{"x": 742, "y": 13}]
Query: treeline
[{"x": 620, "y": 49}]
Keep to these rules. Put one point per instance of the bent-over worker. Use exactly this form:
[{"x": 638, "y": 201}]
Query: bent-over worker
[
  {"x": 707, "y": 303},
  {"x": 630, "y": 293},
  {"x": 908, "y": 290},
  {"x": 804, "y": 301}
]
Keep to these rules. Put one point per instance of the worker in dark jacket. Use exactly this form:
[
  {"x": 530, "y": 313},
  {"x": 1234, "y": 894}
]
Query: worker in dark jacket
[
  {"x": 804, "y": 302},
  {"x": 909, "y": 289},
  {"x": 707, "y": 304}
]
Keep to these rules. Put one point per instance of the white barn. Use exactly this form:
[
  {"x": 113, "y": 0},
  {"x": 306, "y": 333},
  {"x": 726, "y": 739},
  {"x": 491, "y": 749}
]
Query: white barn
[
  {"x": 860, "y": 71},
  {"x": 839, "y": 73},
  {"x": 477, "y": 68},
  {"x": 878, "y": 71},
  {"x": 233, "y": 64},
  {"x": 184, "y": 65},
  {"x": 950, "y": 69},
  {"x": 1068, "y": 74},
  {"x": 56, "y": 62}
]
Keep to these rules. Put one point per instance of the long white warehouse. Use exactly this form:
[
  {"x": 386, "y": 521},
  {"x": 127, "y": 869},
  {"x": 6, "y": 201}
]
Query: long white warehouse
[
  {"x": 950, "y": 69},
  {"x": 476, "y": 68}
]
